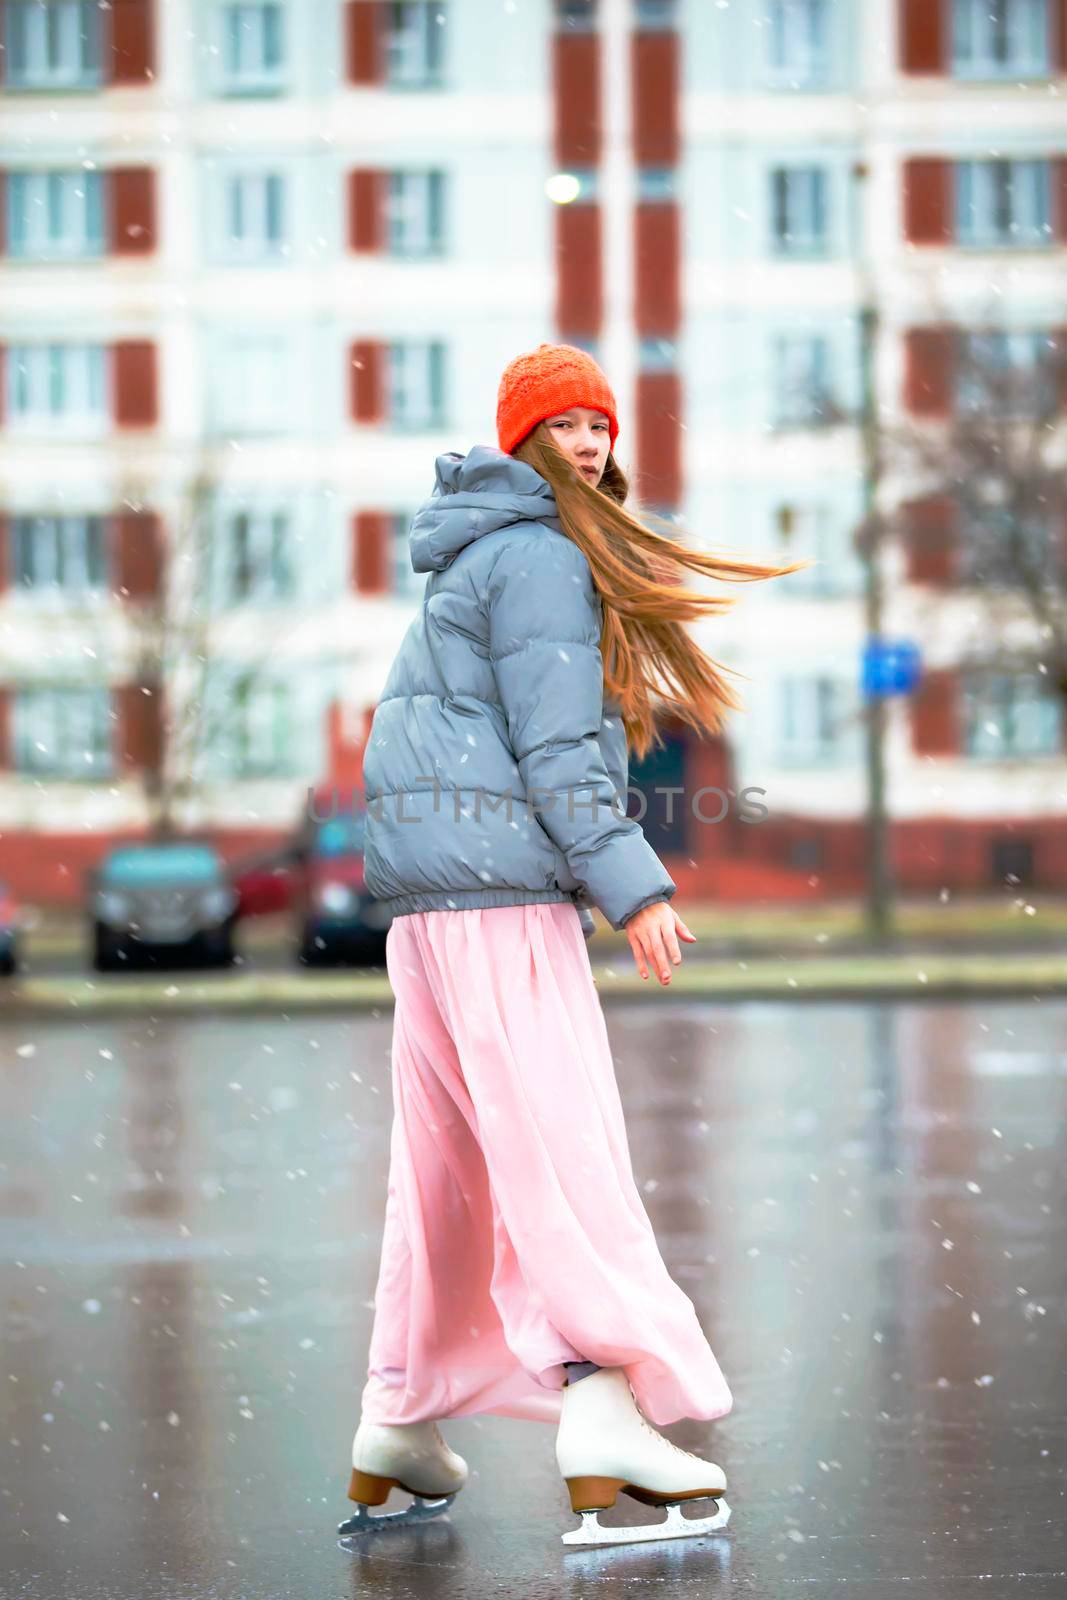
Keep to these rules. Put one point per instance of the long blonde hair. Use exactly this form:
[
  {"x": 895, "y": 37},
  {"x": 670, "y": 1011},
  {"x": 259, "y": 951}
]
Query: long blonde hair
[{"x": 640, "y": 578}]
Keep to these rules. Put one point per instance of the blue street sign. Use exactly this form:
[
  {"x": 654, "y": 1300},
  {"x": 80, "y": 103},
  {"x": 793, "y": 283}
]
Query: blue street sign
[{"x": 890, "y": 666}]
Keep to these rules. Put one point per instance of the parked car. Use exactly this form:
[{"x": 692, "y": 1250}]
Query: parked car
[
  {"x": 171, "y": 899},
  {"x": 9, "y": 933},
  {"x": 335, "y": 914},
  {"x": 267, "y": 881}
]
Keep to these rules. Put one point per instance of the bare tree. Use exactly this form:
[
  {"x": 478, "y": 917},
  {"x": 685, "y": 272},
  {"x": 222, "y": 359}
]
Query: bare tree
[
  {"x": 181, "y": 641},
  {"x": 985, "y": 462}
]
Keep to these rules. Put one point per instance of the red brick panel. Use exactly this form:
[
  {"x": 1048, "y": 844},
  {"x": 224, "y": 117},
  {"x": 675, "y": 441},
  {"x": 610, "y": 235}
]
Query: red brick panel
[
  {"x": 367, "y": 192},
  {"x": 931, "y": 537},
  {"x": 1059, "y": 34},
  {"x": 371, "y": 552},
  {"x": 1059, "y": 197},
  {"x": 133, "y": 47},
  {"x": 134, "y": 386},
  {"x": 131, "y": 211},
  {"x": 935, "y": 729},
  {"x": 576, "y": 96},
  {"x": 367, "y": 390},
  {"x": 365, "y": 37},
  {"x": 922, "y": 27},
  {"x": 929, "y": 371},
  {"x": 579, "y": 270},
  {"x": 928, "y": 208},
  {"x": 657, "y": 268},
  {"x": 655, "y": 98},
  {"x": 659, "y": 437},
  {"x": 140, "y": 727},
  {"x": 137, "y": 554}
]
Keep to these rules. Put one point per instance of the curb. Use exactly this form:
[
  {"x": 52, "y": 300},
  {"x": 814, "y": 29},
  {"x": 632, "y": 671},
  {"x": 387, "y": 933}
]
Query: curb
[{"x": 826, "y": 978}]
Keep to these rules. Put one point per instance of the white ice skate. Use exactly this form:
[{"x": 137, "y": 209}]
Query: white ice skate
[
  {"x": 605, "y": 1445},
  {"x": 411, "y": 1456}
]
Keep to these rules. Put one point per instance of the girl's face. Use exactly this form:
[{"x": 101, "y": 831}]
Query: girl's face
[{"x": 585, "y": 437}]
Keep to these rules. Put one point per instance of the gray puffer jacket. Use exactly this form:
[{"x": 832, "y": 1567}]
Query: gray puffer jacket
[{"x": 492, "y": 763}]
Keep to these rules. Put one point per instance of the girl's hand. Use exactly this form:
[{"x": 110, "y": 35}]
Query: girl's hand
[{"x": 653, "y": 935}]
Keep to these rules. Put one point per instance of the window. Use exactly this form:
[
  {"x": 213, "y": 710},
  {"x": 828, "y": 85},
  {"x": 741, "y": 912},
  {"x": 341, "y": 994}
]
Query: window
[
  {"x": 59, "y": 556},
  {"x": 802, "y": 381},
  {"x": 407, "y": 583},
  {"x": 1008, "y": 373},
  {"x": 254, "y": 393},
  {"x": 416, "y": 213},
  {"x": 1000, "y": 547},
  {"x": 655, "y": 16},
  {"x": 811, "y": 719},
  {"x": 53, "y": 44},
  {"x": 56, "y": 215},
  {"x": 1000, "y": 38},
  {"x": 578, "y": 16},
  {"x": 255, "y": 222},
  {"x": 797, "y": 43},
  {"x": 415, "y": 44},
  {"x": 655, "y": 183},
  {"x": 798, "y": 210},
  {"x": 1010, "y": 714},
  {"x": 1003, "y": 203},
  {"x": 258, "y": 731},
  {"x": 49, "y": 383},
  {"x": 63, "y": 732},
  {"x": 817, "y": 533},
  {"x": 658, "y": 355},
  {"x": 252, "y": 49},
  {"x": 416, "y": 384},
  {"x": 258, "y": 557}
]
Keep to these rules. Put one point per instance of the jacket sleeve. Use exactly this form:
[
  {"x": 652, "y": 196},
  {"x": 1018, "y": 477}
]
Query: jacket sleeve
[{"x": 544, "y": 644}]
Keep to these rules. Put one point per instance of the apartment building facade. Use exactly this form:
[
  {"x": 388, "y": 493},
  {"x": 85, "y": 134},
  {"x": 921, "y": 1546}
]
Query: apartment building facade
[{"x": 261, "y": 263}]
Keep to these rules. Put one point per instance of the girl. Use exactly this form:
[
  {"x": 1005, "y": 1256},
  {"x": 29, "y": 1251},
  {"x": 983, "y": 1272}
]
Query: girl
[{"x": 519, "y": 1273}]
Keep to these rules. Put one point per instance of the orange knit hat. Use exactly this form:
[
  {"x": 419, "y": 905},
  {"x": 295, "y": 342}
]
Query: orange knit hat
[{"x": 551, "y": 378}]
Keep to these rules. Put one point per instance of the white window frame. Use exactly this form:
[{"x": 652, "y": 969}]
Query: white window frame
[
  {"x": 67, "y": 555},
  {"x": 811, "y": 719},
  {"x": 415, "y": 44},
  {"x": 269, "y": 536},
  {"x": 254, "y": 374},
  {"x": 50, "y": 382},
  {"x": 1004, "y": 204},
  {"x": 57, "y": 725},
  {"x": 1018, "y": 28},
  {"x": 53, "y": 45},
  {"x": 415, "y": 205},
  {"x": 258, "y": 726},
  {"x": 810, "y": 358},
  {"x": 56, "y": 214},
  {"x": 981, "y": 531},
  {"x": 417, "y": 383},
  {"x": 806, "y": 205},
  {"x": 246, "y": 25},
  {"x": 820, "y": 534},
  {"x": 260, "y": 197},
  {"x": 1019, "y": 351},
  {"x": 1010, "y": 717},
  {"x": 797, "y": 44},
  {"x": 407, "y": 583}
]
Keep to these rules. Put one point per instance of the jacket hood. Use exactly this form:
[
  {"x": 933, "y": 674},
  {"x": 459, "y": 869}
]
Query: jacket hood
[{"x": 476, "y": 494}]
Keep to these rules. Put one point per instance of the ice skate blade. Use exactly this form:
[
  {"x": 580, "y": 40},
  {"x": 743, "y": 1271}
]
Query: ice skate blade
[
  {"x": 421, "y": 1509},
  {"x": 675, "y": 1527}
]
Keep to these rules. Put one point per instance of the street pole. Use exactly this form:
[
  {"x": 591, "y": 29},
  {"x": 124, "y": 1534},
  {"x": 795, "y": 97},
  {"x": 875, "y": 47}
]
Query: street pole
[{"x": 878, "y": 887}]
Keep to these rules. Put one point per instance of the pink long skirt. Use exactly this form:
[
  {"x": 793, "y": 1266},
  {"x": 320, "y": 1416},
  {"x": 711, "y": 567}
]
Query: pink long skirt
[{"x": 515, "y": 1237}]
